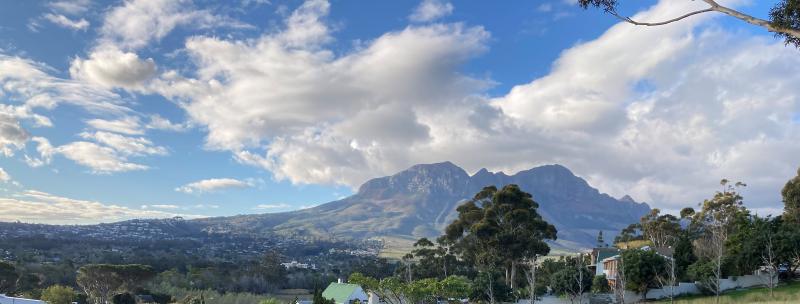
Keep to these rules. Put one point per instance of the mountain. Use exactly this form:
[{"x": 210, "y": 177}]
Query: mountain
[{"x": 421, "y": 201}]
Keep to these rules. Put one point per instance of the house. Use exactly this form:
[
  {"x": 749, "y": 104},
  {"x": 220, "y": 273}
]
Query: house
[
  {"x": 12, "y": 300},
  {"x": 598, "y": 255},
  {"x": 344, "y": 293},
  {"x": 611, "y": 264}
]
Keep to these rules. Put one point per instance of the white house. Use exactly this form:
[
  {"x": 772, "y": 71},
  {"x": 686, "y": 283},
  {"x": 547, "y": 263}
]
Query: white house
[{"x": 12, "y": 300}]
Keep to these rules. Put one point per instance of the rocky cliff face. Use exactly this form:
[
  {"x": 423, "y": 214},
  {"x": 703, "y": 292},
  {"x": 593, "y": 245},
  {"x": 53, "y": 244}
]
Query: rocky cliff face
[{"x": 421, "y": 201}]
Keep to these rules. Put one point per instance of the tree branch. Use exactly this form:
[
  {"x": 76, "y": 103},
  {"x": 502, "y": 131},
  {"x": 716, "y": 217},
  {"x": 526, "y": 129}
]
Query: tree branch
[
  {"x": 752, "y": 20},
  {"x": 634, "y": 22},
  {"x": 714, "y": 7}
]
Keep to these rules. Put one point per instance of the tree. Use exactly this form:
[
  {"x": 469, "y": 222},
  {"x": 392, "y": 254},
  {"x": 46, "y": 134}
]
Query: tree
[
  {"x": 500, "y": 228},
  {"x": 683, "y": 255},
  {"x": 572, "y": 281},
  {"x": 791, "y": 196},
  {"x": 103, "y": 281},
  {"x": 8, "y": 277},
  {"x": 784, "y": 17},
  {"x": 600, "y": 241},
  {"x": 319, "y": 299},
  {"x": 59, "y": 294},
  {"x": 660, "y": 229},
  {"x": 390, "y": 290},
  {"x": 715, "y": 223},
  {"x": 642, "y": 268},
  {"x": 454, "y": 287}
]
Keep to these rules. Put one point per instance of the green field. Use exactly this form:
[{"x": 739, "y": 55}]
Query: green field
[{"x": 788, "y": 293}]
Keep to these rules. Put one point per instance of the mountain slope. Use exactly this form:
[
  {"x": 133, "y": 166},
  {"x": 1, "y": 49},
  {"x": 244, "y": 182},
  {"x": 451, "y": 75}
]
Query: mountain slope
[{"x": 421, "y": 201}]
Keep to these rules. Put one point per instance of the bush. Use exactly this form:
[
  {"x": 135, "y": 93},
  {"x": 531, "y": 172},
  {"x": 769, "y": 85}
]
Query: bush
[
  {"x": 58, "y": 294},
  {"x": 600, "y": 284}
]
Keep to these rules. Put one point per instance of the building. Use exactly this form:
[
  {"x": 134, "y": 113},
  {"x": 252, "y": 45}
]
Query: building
[
  {"x": 611, "y": 264},
  {"x": 344, "y": 293},
  {"x": 12, "y": 300},
  {"x": 598, "y": 255}
]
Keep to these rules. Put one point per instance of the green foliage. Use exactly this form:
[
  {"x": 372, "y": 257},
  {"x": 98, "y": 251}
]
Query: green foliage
[
  {"x": 702, "y": 271},
  {"x": 500, "y": 228},
  {"x": 319, "y": 299},
  {"x": 454, "y": 287},
  {"x": 791, "y": 191},
  {"x": 600, "y": 284},
  {"x": 642, "y": 267},
  {"x": 59, "y": 294},
  {"x": 786, "y": 14},
  {"x": 683, "y": 255},
  {"x": 8, "y": 277},
  {"x": 123, "y": 298},
  {"x": 572, "y": 281},
  {"x": 660, "y": 229}
]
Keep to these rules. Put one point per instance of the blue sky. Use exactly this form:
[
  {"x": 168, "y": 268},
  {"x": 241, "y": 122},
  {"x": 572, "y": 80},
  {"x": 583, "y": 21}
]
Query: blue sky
[{"x": 148, "y": 108}]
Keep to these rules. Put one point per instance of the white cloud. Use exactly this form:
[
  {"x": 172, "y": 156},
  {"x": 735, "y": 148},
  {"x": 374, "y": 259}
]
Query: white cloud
[
  {"x": 125, "y": 125},
  {"x": 430, "y": 10},
  {"x": 110, "y": 67},
  {"x": 213, "y": 184},
  {"x": 45, "y": 150},
  {"x": 12, "y": 135},
  {"x": 545, "y": 7},
  {"x": 160, "y": 123},
  {"x": 272, "y": 206},
  {"x": 100, "y": 159},
  {"x": 126, "y": 145},
  {"x": 70, "y": 7},
  {"x": 161, "y": 206},
  {"x": 137, "y": 23},
  {"x": 64, "y": 21},
  {"x": 4, "y": 177},
  {"x": 28, "y": 83},
  {"x": 660, "y": 113},
  {"x": 39, "y": 207}
]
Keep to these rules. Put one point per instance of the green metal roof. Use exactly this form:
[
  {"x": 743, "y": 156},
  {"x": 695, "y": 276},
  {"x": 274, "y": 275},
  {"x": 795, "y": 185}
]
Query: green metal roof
[
  {"x": 339, "y": 292},
  {"x": 604, "y": 253}
]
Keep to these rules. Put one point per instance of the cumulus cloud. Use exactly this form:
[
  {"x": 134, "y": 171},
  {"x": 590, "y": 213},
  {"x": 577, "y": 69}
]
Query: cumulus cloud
[
  {"x": 64, "y": 21},
  {"x": 40, "y": 207},
  {"x": 110, "y": 67},
  {"x": 699, "y": 104},
  {"x": 430, "y": 10},
  {"x": 213, "y": 184}
]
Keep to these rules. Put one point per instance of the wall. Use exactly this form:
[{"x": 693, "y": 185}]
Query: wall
[{"x": 746, "y": 281}]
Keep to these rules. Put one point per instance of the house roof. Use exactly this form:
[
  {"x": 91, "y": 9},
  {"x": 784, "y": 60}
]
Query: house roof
[
  {"x": 339, "y": 292},
  {"x": 603, "y": 253}
]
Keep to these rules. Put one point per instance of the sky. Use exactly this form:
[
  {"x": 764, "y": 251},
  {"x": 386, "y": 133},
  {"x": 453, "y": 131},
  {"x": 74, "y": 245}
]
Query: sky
[{"x": 112, "y": 110}]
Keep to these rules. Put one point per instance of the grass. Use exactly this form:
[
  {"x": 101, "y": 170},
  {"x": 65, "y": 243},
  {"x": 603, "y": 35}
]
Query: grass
[{"x": 788, "y": 293}]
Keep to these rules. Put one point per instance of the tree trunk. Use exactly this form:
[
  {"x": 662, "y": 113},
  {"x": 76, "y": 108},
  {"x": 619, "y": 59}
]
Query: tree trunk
[{"x": 513, "y": 275}]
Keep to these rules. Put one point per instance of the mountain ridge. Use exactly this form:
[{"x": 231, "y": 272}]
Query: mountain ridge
[{"x": 421, "y": 200}]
